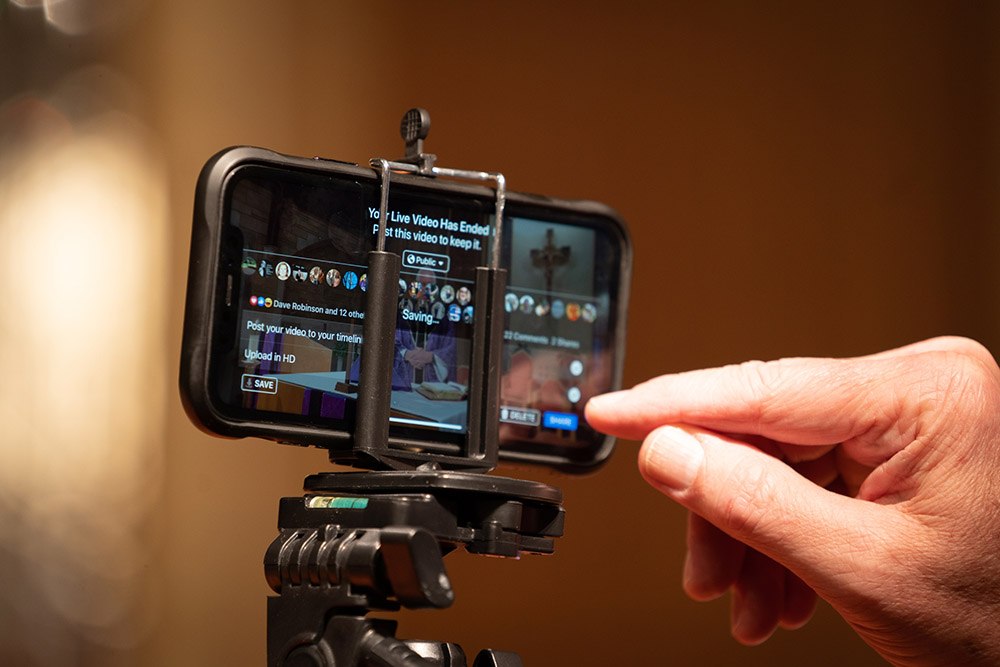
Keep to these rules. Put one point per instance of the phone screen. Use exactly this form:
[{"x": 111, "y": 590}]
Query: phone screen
[{"x": 292, "y": 351}]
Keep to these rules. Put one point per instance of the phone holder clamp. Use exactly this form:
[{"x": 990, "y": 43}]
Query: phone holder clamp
[
  {"x": 363, "y": 541},
  {"x": 373, "y": 447}
]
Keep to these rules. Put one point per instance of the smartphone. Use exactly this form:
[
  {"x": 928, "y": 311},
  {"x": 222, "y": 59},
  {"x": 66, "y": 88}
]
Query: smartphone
[{"x": 276, "y": 299}]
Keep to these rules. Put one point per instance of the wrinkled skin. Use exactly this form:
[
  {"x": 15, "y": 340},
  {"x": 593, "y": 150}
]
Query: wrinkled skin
[{"x": 873, "y": 482}]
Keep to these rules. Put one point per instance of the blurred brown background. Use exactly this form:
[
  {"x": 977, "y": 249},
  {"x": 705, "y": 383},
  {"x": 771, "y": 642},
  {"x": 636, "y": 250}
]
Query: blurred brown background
[{"x": 799, "y": 178}]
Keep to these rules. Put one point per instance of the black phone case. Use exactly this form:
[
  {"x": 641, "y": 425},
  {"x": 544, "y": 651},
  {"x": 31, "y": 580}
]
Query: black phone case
[{"x": 205, "y": 294}]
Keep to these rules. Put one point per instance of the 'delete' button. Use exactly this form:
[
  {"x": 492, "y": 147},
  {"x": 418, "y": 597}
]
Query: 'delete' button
[
  {"x": 560, "y": 420},
  {"x": 515, "y": 415}
]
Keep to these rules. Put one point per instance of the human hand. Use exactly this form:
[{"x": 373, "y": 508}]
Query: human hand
[
  {"x": 909, "y": 551},
  {"x": 418, "y": 357}
]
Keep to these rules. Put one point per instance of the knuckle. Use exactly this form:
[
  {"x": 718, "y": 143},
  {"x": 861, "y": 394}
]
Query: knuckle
[
  {"x": 751, "y": 500},
  {"x": 760, "y": 384},
  {"x": 963, "y": 362},
  {"x": 967, "y": 371},
  {"x": 966, "y": 347}
]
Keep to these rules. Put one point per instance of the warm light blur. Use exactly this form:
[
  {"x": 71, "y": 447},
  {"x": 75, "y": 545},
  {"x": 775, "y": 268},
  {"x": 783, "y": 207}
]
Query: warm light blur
[
  {"x": 80, "y": 17},
  {"x": 82, "y": 227}
]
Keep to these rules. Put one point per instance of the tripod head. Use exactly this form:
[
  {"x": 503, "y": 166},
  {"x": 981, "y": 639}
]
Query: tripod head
[{"x": 358, "y": 542}]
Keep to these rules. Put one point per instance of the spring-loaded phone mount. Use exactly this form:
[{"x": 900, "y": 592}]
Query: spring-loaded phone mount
[{"x": 357, "y": 542}]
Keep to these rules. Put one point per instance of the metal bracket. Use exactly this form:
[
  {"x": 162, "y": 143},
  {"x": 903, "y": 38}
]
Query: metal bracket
[
  {"x": 414, "y": 128},
  {"x": 371, "y": 436}
]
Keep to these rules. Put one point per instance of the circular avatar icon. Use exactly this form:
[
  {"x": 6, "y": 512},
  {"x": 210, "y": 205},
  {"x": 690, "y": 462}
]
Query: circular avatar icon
[
  {"x": 447, "y": 293},
  {"x": 573, "y": 312},
  {"x": 542, "y": 308},
  {"x": 415, "y": 287},
  {"x": 350, "y": 280},
  {"x": 573, "y": 395},
  {"x": 402, "y": 288},
  {"x": 439, "y": 311},
  {"x": 431, "y": 291},
  {"x": 405, "y": 304},
  {"x": 527, "y": 304},
  {"x": 464, "y": 296},
  {"x": 510, "y": 302},
  {"x": 299, "y": 273},
  {"x": 363, "y": 282},
  {"x": 454, "y": 313},
  {"x": 576, "y": 368},
  {"x": 315, "y": 275},
  {"x": 283, "y": 270},
  {"x": 558, "y": 309},
  {"x": 265, "y": 269},
  {"x": 467, "y": 315},
  {"x": 249, "y": 266},
  {"x": 589, "y": 312},
  {"x": 333, "y": 277}
]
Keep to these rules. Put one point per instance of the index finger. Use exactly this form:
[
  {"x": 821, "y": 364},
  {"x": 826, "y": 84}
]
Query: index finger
[
  {"x": 804, "y": 401},
  {"x": 808, "y": 401}
]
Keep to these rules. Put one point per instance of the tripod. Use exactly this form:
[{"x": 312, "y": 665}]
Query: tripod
[
  {"x": 364, "y": 541},
  {"x": 358, "y": 542}
]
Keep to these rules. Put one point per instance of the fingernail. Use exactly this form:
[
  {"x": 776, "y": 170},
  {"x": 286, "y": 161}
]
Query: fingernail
[
  {"x": 671, "y": 458},
  {"x": 605, "y": 401}
]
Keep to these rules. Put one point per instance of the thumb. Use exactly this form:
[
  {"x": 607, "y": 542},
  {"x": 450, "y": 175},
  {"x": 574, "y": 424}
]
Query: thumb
[{"x": 761, "y": 501}]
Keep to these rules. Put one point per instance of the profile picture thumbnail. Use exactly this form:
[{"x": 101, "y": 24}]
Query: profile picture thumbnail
[
  {"x": 299, "y": 273},
  {"x": 558, "y": 309},
  {"x": 464, "y": 295},
  {"x": 283, "y": 271},
  {"x": 589, "y": 312},
  {"x": 431, "y": 291},
  {"x": 447, "y": 293},
  {"x": 542, "y": 308},
  {"x": 350, "y": 280},
  {"x": 439, "y": 311},
  {"x": 467, "y": 315},
  {"x": 333, "y": 278},
  {"x": 402, "y": 288},
  {"x": 363, "y": 282},
  {"x": 265, "y": 269},
  {"x": 510, "y": 302},
  {"x": 527, "y": 304},
  {"x": 572, "y": 312},
  {"x": 249, "y": 266},
  {"x": 415, "y": 289},
  {"x": 455, "y": 313}
]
